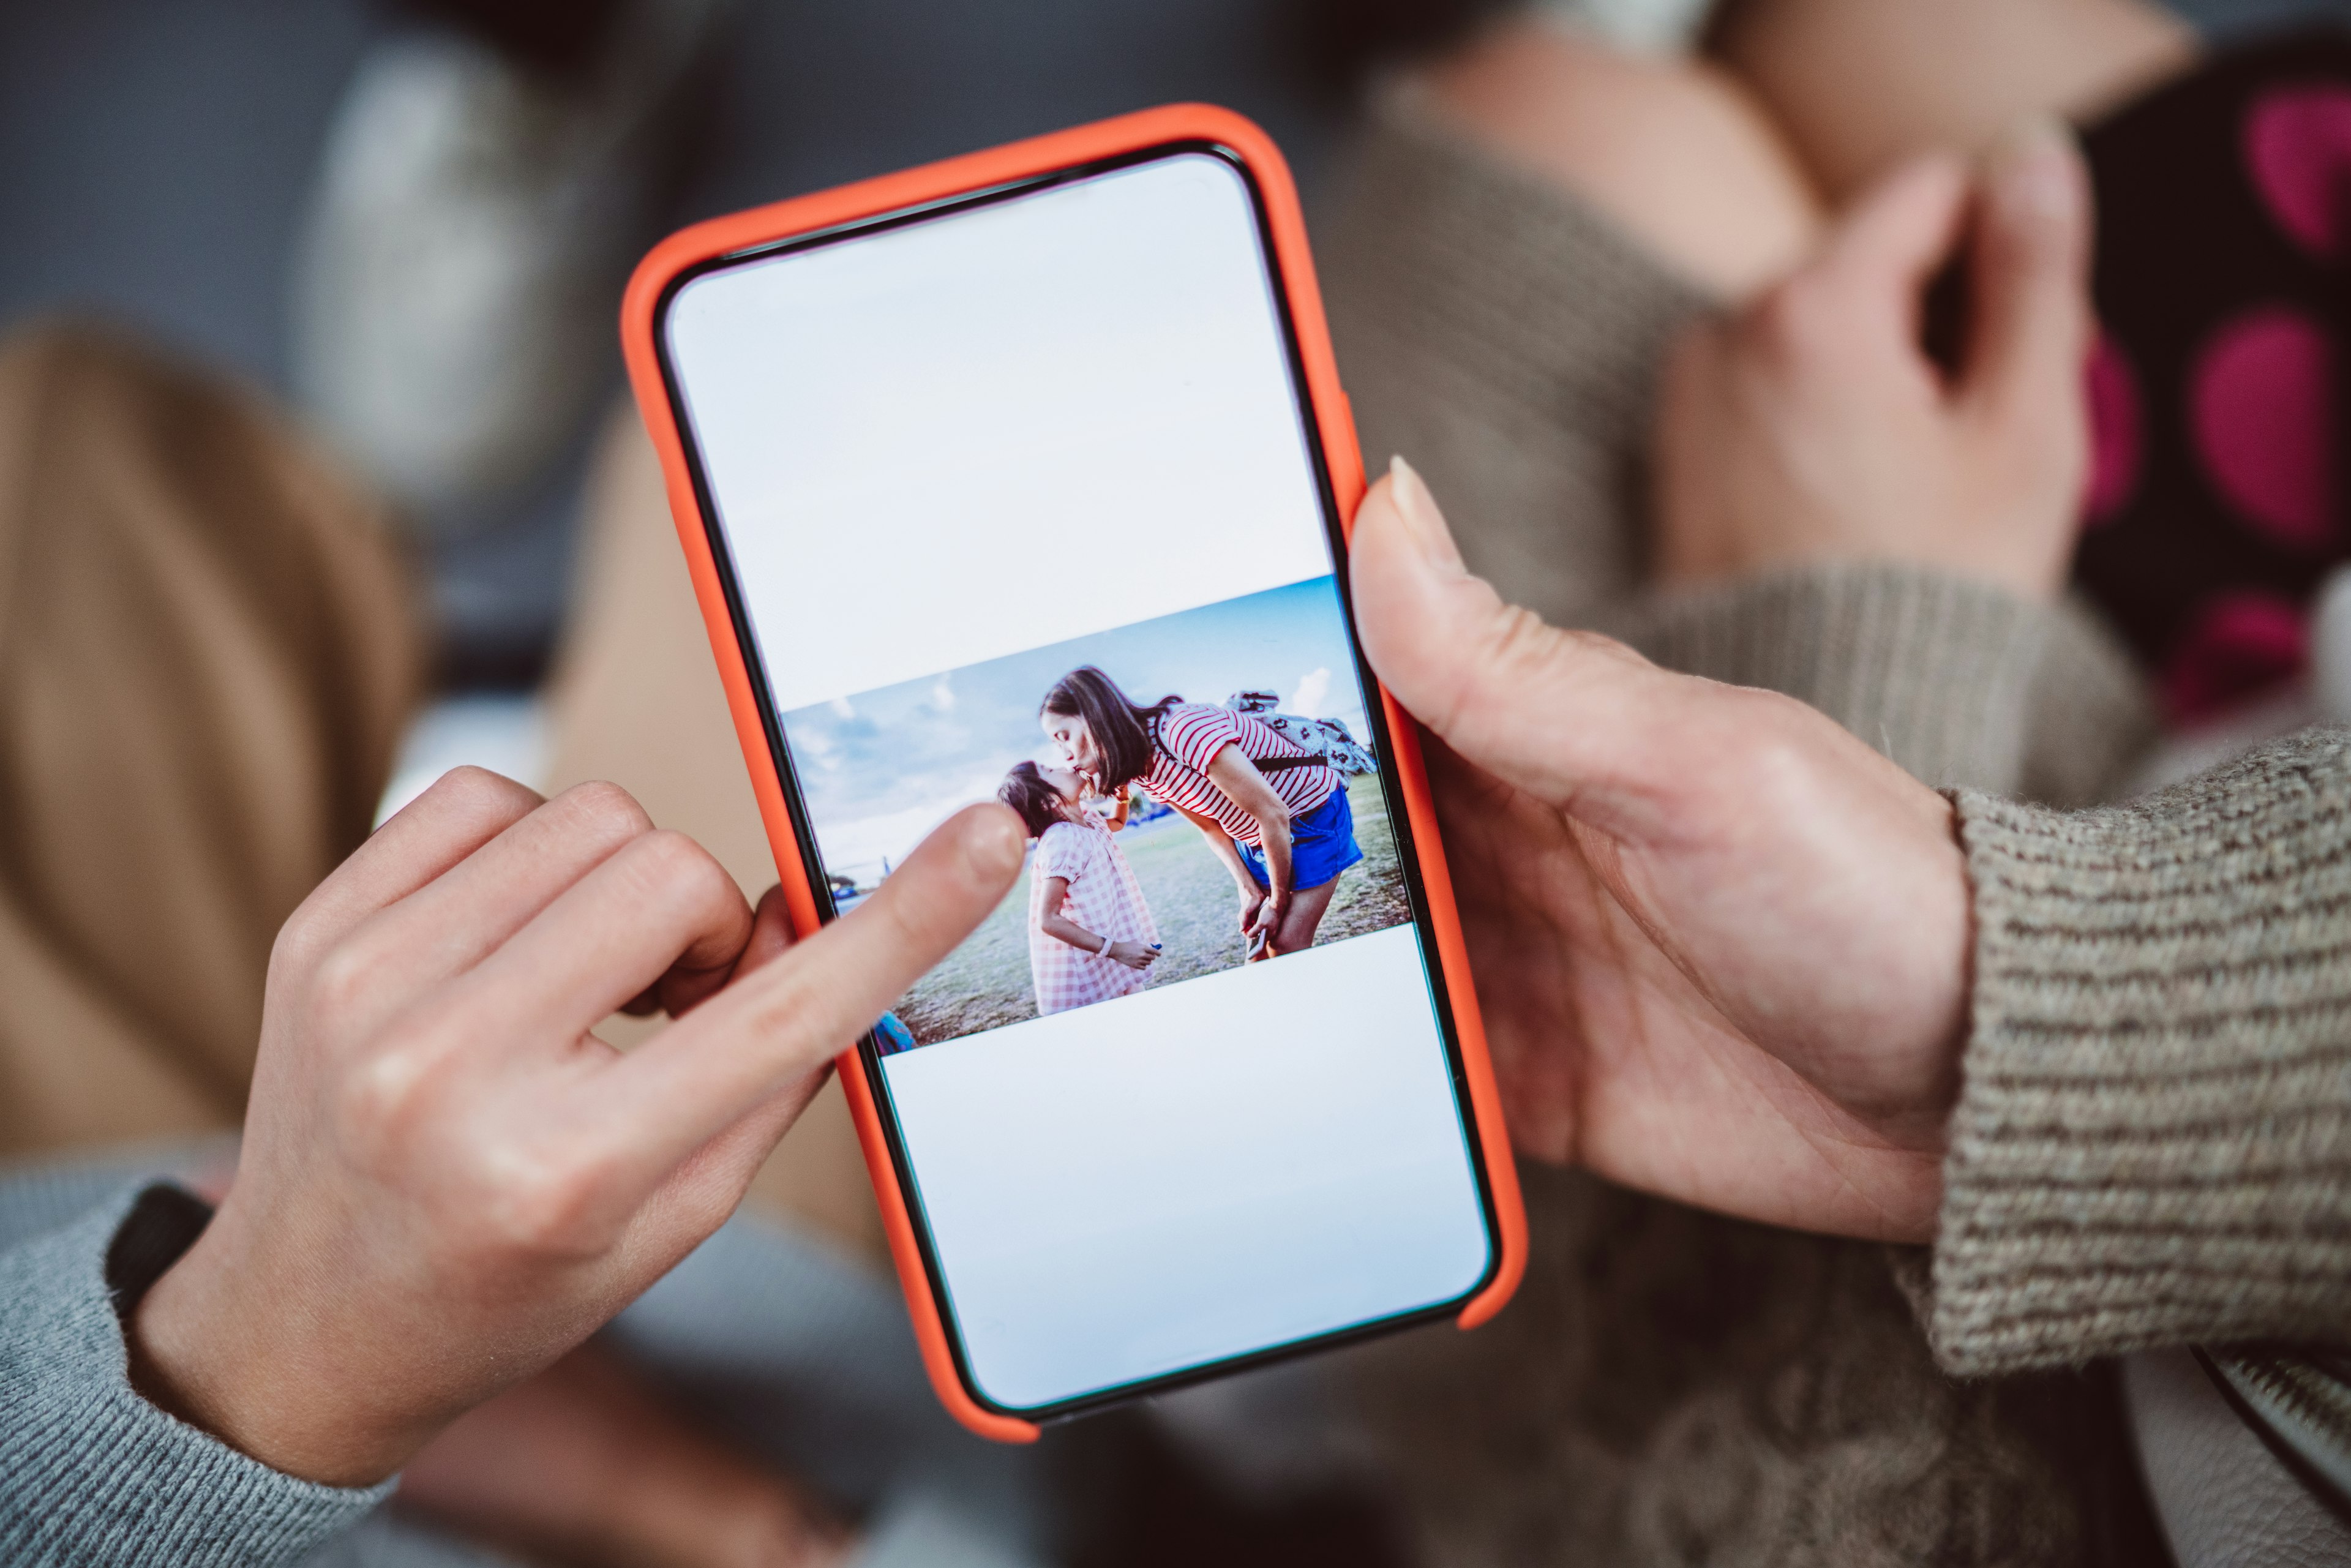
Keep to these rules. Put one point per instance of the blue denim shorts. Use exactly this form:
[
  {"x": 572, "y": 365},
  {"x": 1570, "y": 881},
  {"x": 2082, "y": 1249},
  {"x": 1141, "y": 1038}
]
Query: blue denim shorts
[{"x": 1322, "y": 845}]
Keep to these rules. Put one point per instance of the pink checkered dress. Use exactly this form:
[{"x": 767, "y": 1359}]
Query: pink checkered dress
[{"x": 1104, "y": 898}]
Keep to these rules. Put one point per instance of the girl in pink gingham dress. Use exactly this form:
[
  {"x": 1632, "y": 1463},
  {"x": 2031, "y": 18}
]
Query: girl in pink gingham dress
[{"x": 1091, "y": 935}]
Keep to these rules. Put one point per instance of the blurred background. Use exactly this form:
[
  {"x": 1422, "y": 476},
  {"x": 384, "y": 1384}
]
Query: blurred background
[
  {"x": 170, "y": 165},
  {"x": 163, "y": 158},
  {"x": 207, "y": 172}
]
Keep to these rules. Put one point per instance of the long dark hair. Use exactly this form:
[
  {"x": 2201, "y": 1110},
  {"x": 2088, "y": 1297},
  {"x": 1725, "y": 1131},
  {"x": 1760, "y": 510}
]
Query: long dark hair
[
  {"x": 1036, "y": 802},
  {"x": 1121, "y": 730}
]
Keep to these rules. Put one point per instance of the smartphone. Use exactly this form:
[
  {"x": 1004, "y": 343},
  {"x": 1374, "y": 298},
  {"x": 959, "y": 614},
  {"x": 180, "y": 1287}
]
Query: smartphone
[{"x": 1028, "y": 476}]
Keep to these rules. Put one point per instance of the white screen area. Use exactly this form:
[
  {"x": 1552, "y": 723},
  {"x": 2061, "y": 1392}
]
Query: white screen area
[{"x": 942, "y": 448}]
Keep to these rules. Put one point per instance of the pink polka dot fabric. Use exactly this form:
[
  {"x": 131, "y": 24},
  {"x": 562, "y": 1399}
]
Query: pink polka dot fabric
[
  {"x": 2261, "y": 411},
  {"x": 2215, "y": 509},
  {"x": 2297, "y": 143},
  {"x": 2236, "y": 643}
]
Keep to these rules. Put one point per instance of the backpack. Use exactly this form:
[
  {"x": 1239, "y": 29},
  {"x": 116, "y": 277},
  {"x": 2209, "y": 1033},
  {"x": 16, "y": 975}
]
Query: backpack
[{"x": 1325, "y": 737}]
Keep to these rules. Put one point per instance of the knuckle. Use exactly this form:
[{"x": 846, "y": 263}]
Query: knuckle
[
  {"x": 1512, "y": 644},
  {"x": 1517, "y": 639},
  {"x": 532, "y": 1201},
  {"x": 671, "y": 867},
  {"x": 1594, "y": 647},
  {"x": 607, "y": 810},
  {"x": 343, "y": 981},
  {"x": 674, "y": 859},
  {"x": 375, "y": 1106},
  {"x": 476, "y": 793},
  {"x": 471, "y": 784},
  {"x": 468, "y": 799},
  {"x": 299, "y": 944}
]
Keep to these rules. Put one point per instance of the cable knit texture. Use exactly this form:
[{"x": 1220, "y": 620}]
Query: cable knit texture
[
  {"x": 2153, "y": 1145},
  {"x": 90, "y": 1472}
]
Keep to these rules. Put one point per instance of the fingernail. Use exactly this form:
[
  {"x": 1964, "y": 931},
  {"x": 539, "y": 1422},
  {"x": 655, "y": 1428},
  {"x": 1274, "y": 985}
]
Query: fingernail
[
  {"x": 1421, "y": 519},
  {"x": 2036, "y": 171}
]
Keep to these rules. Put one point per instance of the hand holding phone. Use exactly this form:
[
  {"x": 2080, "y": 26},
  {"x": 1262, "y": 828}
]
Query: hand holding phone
[{"x": 1790, "y": 1004}]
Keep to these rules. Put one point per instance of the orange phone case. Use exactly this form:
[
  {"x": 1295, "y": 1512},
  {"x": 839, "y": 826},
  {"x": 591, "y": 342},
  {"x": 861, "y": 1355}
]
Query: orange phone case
[{"x": 1334, "y": 424}]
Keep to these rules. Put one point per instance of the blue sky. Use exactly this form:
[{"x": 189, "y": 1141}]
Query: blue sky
[{"x": 881, "y": 769}]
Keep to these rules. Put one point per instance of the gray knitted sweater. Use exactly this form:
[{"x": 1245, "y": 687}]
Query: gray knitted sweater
[{"x": 91, "y": 1473}]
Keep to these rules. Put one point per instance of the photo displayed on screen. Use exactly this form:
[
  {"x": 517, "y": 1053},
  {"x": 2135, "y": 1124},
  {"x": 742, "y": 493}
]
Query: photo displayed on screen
[{"x": 1171, "y": 775}]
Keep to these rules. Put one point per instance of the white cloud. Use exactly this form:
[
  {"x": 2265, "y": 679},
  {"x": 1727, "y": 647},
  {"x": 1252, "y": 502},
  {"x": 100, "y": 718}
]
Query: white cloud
[
  {"x": 841, "y": 709},
  {"x": 1314, "y": 686},
  {"x": 943, "y": 696},
  {"x": 820, "y": 745}
]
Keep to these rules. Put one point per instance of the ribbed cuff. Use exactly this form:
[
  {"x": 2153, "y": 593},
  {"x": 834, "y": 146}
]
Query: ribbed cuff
[
  {"x": 1947, "y": 675},
  {"x": 1505, "y": 337},
  {"x": 1933, "y": 670},
  {"x": 2094, "y": 717},
  {"x": 2153, "y": 1143},
  {"x": 91, "y": 1473}
]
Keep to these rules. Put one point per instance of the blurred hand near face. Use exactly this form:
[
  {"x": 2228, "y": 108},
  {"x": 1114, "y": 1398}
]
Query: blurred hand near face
[
  {"x": 1810, "y": 425},
  {"x": 447, "y": 1181},
  {"x": 1720, "y": 946}
]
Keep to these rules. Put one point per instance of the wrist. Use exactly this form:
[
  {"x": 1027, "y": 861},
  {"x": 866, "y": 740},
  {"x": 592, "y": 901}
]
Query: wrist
[{"x": 201, "y": 1350}]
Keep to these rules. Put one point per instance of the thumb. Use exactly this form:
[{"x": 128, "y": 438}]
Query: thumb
[
  {"x": 772, "y": 933},
  {"x": 2031, "y": 262},
  {"x": 1548, "y": 711},
  {"x": 1896, "y": 237}
]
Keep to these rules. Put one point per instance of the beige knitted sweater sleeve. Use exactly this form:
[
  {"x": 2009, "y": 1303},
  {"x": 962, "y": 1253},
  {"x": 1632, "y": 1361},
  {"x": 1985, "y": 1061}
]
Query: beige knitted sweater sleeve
[
  {"x": 1962, "y": 682},
  {"x": 2153, "y": 1143}
]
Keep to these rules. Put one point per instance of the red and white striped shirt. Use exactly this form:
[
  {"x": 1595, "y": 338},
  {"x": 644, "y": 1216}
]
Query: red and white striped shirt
[{"x": 1189, "y": 734}]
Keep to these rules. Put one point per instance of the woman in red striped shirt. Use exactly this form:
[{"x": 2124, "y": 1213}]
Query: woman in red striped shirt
[{"x": 1276, "y": 815}]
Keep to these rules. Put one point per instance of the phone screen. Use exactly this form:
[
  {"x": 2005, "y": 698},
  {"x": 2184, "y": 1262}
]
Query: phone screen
[{"x": 1017, "y": 499}]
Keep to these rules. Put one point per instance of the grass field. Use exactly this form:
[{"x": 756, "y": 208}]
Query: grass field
[{"x": 985, "y": 983}]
